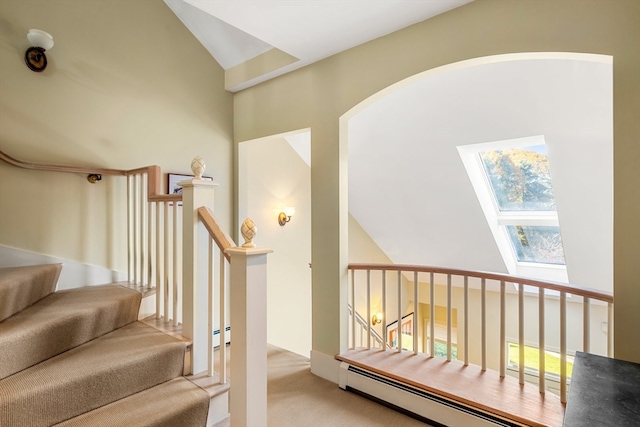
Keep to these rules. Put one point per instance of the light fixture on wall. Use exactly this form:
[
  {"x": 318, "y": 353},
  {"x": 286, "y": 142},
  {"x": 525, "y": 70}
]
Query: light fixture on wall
[
  {"x": 94, "y": 177},
  {"x": 376, "y": 319},
  {"x": 285, "y": 217},
  {"x": 34, "y": 56}
]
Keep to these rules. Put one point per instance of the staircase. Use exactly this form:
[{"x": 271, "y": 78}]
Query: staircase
[{"x": 80, "y": 357}]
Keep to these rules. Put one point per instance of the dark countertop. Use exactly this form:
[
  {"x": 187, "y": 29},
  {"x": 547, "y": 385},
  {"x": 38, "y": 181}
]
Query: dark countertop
[{"x": 604, "y": 392}]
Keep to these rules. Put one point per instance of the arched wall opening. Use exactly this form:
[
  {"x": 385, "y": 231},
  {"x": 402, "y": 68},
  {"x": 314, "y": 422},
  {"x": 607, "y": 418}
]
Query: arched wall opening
[{"x": 408, "y": 189}]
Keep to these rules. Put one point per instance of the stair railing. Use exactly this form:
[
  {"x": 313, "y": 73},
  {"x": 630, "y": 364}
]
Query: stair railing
[
  {"x": 493, "y": 291},
  {"x": 154, "y": 240},
  {"x": 223, "y": 242},
  {"x": 363, "y": 328},
  {"x": 162, "y": 242},
  {"x": 247, "y": 300}
]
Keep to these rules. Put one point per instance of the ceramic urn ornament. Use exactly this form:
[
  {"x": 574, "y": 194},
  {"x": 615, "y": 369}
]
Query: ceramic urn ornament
[
  {"x": 198, "y": 166},
  {"x": 248, "y": 231}
]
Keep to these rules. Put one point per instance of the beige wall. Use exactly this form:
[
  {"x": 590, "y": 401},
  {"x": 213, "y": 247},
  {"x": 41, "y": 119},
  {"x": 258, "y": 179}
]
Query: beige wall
[
  {"x": 272, "y": 176},
  {"x": 127, "y": 85},
  {"x": 598, "y": 344},
  {"x": 362, "y": 249},
  {"x": 318, "y": 95}
]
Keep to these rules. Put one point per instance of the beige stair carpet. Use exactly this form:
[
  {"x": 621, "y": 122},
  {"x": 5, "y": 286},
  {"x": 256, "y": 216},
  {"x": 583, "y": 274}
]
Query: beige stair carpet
[
  {"x": 124, "y": 362},
  {"x": 177, "y": 402},
  {"x": 22, "y": 286},
  {"x": 62, "y": 321}
]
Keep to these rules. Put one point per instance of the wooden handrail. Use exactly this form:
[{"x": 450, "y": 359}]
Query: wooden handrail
[
  {"x": 556, "y": 286},
  {"x": 154, "y": 174},
  {"x": 58, "y": 168},
  {"x": 221, "y": 238}
]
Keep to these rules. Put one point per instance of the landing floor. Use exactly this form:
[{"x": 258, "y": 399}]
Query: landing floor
[{"x": 503, "y": 397}]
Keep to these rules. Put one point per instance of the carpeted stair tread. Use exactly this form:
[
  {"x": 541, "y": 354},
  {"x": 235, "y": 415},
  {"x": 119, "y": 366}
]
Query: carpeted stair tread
[
  {"x": 123, "y": 362},
  {"x": 61, "y": 321},
  {"x": 177, "y": 402},
  {"x": 22, "y": 286}
]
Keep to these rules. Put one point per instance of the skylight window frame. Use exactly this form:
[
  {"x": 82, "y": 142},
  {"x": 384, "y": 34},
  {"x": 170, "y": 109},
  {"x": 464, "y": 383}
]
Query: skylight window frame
[{"x": 498, "y": 220}]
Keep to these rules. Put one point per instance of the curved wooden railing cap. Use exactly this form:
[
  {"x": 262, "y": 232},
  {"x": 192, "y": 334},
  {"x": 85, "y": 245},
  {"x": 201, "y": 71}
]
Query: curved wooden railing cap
[
  {"x": 58, "y": 168},
  {"x": 556, "y": 286},
  {"x": 154, "y": 174},
  {"x": 221, "y": 238}
]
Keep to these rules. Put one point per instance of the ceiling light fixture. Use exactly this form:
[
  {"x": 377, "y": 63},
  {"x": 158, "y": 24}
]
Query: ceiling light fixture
[{"x": 34, "y": 56}]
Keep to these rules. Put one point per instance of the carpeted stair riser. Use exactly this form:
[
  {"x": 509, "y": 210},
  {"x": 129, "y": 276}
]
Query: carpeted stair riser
[
  {"x": 126, "y": 361},
  {"x": 62, "y": 321},
  {"x": 22, "y": 286},
  {"x": 178, "y": 402}
]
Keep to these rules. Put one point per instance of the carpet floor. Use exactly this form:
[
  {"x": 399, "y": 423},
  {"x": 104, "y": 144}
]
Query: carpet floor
[{"x": 297, "y": 398}]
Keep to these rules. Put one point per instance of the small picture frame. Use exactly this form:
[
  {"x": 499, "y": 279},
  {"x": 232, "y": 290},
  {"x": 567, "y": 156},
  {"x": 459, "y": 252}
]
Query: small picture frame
[
  {"x": 173, "y": 179},
  {"x": 406, "y": 329}
]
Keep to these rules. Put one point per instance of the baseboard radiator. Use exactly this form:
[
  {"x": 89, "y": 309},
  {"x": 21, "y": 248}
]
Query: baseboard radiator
[{"x": 430, "y": 408}]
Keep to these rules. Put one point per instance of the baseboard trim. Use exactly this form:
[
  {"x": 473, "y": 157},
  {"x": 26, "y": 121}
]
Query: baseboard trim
[
  {"x": 74, "y": 274},
  {"x": 325, "y": 366}
]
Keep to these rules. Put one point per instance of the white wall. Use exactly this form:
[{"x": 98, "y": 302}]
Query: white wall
[
  {"x": 272, "y": 176},
  {"x": 403, "y": 151}
]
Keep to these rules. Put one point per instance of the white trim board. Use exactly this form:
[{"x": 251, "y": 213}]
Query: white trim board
[{"x": 74, "y": 274}]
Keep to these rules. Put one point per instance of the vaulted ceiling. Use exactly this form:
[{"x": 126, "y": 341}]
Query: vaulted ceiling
[
  {"x": 240, "y": 35},
  {"x": 407, "y": 185}
]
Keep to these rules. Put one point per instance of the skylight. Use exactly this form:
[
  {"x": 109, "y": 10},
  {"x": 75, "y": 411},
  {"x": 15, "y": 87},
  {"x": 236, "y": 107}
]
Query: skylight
[
  {"x": 520, "y": 178},
  {"x": 514, "y": 187},
  {"x": 520, "y": 181},
  {"x": 540, "y": 244}
]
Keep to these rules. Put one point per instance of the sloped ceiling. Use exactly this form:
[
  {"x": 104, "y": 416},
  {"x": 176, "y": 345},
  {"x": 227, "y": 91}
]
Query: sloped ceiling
[
  {"x": 408, "y": 187},
  {"x": 234, "y": 32}
]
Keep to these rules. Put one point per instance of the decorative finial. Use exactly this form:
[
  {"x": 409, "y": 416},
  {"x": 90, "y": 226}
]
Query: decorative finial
[
  {"x": 198, "y": 166},
  {"x": 248, "y": 230}
]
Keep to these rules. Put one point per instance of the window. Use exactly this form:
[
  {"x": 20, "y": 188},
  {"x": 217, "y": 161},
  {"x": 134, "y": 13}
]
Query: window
[
  {"x": 512, "y": 181},
  {"x": 540, "y": 244},
  {"x": 519, "y": 178},
  {"x": 440, "y": 330},
  {"x": 520, "y": 181},
  {"x": 440, "y": 343},
  {"x": 531, "y": 361}
]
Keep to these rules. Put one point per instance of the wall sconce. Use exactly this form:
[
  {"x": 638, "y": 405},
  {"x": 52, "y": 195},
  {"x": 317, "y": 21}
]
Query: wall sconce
[
  {"x": 94, "y": 177},
  {"x": 34, "y": 56},
  {"x": 376, "y": 319},
  {"x": 285, "y": 217}
]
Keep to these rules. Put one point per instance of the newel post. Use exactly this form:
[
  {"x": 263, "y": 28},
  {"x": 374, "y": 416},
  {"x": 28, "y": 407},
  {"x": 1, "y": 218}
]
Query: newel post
[
  {"x": 248, "y": 299},
  {"x": 196, "y": 192}
]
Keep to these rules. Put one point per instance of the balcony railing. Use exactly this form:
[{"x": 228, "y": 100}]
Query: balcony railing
[{"x": 416, "y": 293}]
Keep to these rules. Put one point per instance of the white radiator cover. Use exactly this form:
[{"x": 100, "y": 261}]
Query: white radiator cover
[{"x": 418, "y": 402}]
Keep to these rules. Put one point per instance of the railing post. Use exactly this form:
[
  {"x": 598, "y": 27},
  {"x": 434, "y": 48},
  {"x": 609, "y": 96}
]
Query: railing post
[
  {"x": 196, "y": 192},
  {"x": 248, "y": 296}
]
